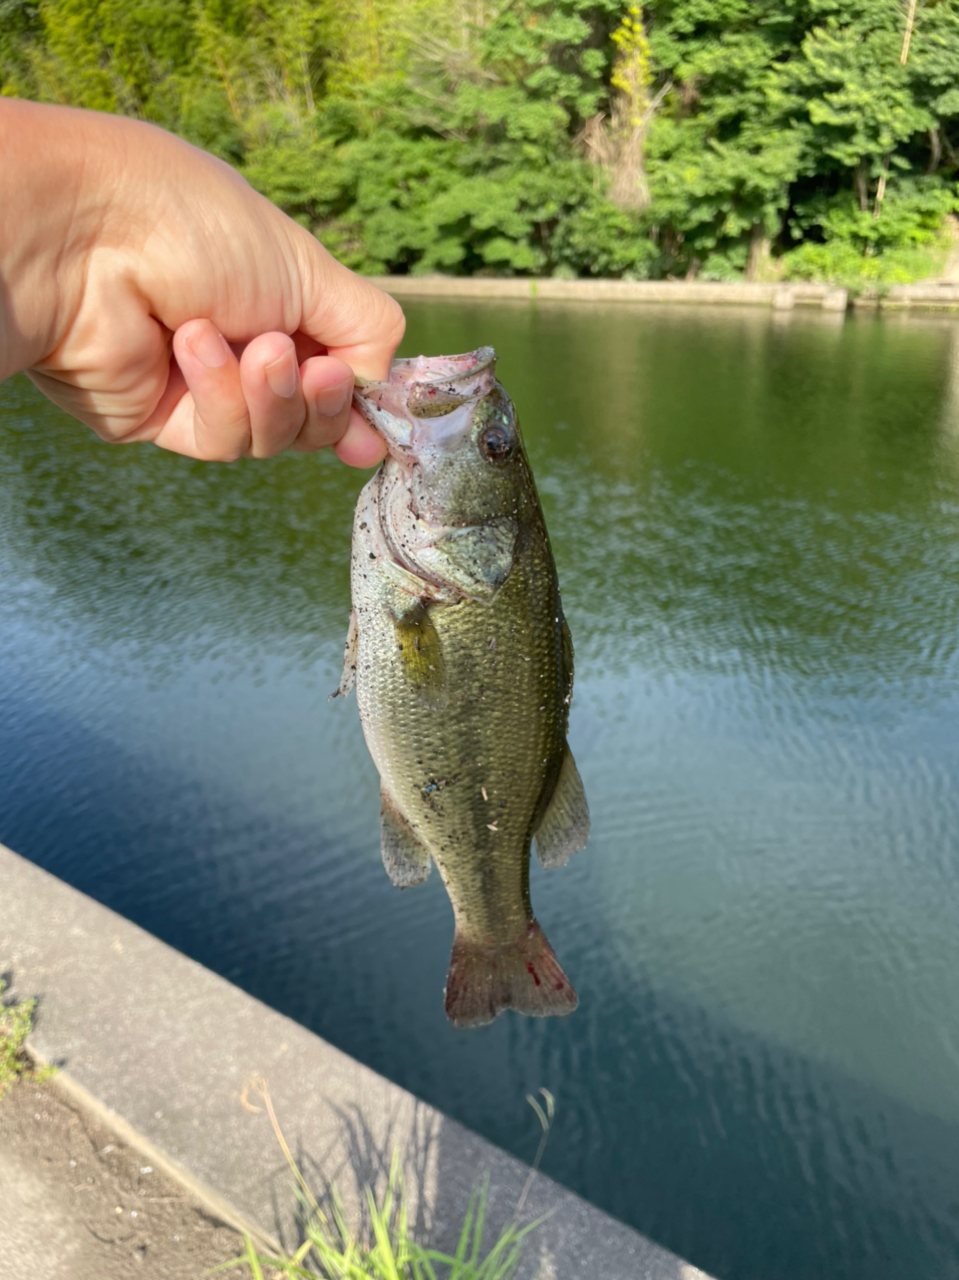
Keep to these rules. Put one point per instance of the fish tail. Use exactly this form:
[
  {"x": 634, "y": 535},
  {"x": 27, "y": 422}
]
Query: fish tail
[{"x": 523, "y": 975}]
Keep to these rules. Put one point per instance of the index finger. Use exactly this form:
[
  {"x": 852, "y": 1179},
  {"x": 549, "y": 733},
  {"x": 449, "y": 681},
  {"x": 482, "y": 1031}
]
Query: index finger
[{"x": 354, "y": 320}]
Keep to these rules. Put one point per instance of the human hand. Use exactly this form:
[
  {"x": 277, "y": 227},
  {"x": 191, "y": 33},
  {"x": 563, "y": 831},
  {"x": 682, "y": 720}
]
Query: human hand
[{"x": 155, "y": 296}]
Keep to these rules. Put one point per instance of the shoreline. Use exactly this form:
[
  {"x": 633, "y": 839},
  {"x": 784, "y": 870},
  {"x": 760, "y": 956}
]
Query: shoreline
[{"x": 927, "y": 296}]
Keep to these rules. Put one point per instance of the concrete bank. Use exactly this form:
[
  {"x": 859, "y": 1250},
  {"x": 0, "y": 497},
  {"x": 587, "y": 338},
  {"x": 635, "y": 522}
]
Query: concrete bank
[
  {"x": 932, "y": 296},
  {"x": 166, "y": 1052},
  {"x": 699, "y": 292}
]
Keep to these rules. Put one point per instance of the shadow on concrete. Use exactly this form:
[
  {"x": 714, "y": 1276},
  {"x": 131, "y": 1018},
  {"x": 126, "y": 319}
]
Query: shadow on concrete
[
  {"x": 355, "y": 1159},
  {"x": 443, "y": 1165}
]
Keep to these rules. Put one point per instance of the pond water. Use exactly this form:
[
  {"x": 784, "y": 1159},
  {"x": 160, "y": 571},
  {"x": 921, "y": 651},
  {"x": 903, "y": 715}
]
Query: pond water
[{"x": 756, "y": 523}]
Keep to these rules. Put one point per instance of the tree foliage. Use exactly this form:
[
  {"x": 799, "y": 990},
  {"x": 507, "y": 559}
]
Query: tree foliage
[{"x": 563, "y": 137}]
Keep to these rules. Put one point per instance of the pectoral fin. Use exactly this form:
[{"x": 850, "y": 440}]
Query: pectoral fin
[
  {"x": 421, "y": 654},
  {"x": 475, "y": 561},
  {"x": 564, "y": 827},
  {"x": 348, "y": 677},
  {"x": 406, "y": 861}
]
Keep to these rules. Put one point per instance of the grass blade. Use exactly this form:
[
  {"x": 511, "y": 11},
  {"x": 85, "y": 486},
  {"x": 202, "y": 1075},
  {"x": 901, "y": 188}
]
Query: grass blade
[
  {"x": 392, "y": 1253},
  {"x": 479, "y": 1220},
  {"x": 252, "y": 1259}
]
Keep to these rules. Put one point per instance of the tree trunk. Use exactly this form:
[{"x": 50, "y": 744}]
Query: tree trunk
[
  {"x": 227, "y": 86},
  {"x": 935, "y": 149},
  {"x": 629, "y": 189},
  {"x": 307, "y": 85},
  {"x": 881, "y": 189},
  {"x": 861, "y": 185},
  {"x": 907, "y": 34},
  {"x": 759, "y": 252},
  {"x": 903, "y": 58}
]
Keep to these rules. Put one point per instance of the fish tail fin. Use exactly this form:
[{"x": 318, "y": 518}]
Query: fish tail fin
[{"x": 523, "y": 975}]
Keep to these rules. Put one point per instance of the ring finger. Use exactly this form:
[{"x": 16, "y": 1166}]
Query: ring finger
[
  {"x": 328, "y": 390},
  {"x": 270, "y": 378}
]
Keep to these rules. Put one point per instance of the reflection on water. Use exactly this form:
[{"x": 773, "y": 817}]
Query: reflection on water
[{"x": 756, "y": 522}]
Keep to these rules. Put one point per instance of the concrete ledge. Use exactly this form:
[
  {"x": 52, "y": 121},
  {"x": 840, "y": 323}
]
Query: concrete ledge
[
  {"x": 928, "y": 296},
  {"x": 708, "y": 292},
  {"x": 783, "y": 296},
  {"x": 165, "y": 1050}
]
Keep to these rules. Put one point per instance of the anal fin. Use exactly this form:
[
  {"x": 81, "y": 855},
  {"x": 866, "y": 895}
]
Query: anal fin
[
  {"x": 406, "y": 861},
  {"x": 564, "y": 827},
  {"x": 523, "y": 975}
]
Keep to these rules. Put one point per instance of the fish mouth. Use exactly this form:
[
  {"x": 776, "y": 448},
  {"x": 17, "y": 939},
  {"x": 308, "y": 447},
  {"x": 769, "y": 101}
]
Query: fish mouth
[{"x": 425, "y": 388}]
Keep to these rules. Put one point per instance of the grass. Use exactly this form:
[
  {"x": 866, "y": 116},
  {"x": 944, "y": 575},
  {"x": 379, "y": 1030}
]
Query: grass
[
  {"x": 842, "y": 264},
  {"x": 387, "y": 1250},
  {"x": 16, "y": 1021}
]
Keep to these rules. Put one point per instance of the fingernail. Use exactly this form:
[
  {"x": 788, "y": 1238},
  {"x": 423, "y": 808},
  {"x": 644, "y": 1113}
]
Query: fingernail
[
  {"x": 333, "y": 400},
  {"x": 282, "y": 375},
  {"x": 209, "y": 347}
]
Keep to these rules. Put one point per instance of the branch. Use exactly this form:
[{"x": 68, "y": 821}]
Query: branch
[{"x": 654, "y": 105}]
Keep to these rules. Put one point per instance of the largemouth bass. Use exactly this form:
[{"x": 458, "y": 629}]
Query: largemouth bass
[{"x": 463, "y": 667}]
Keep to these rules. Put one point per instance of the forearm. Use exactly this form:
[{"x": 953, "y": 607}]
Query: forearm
[{"x": 46, "y": 227}]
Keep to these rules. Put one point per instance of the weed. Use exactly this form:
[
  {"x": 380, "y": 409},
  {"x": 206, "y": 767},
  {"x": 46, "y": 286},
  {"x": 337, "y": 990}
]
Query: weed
[
  {"x": 330, "y": 1251},
  {"x": 16, "y": 1020}
]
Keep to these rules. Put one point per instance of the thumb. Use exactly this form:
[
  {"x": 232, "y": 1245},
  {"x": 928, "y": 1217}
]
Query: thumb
[{"x": 354, "y": 320}]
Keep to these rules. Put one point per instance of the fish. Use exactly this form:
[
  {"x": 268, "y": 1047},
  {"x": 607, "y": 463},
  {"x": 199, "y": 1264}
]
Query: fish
[{"x": 462, "y": 663}]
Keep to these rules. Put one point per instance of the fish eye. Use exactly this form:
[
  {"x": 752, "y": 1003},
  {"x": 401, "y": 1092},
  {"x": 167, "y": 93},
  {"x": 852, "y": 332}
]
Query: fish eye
[{"x": 496, "y": 442}]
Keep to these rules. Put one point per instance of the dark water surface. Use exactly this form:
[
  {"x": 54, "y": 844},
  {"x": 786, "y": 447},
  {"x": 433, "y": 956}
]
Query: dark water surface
[{"x": 756, "y": 523}]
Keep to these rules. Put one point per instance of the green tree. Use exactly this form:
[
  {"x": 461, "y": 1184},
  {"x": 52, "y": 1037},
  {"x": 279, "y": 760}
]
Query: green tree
[
  {"x": 566, "y": 137},
  {"x": 457, "y": 153},
  {"x": 726, "y": 148},
  {"x": 864, "y": 190},
  {"x": 789, "y": 122}
]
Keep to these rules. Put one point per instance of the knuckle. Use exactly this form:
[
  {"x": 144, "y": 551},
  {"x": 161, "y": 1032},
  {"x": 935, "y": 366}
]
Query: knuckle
[
  {"x": 395, "y": 321},
  {"x": 222, "y": 441}
]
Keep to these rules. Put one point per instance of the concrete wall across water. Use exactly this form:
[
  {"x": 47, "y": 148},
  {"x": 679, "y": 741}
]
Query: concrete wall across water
[{"x": 930, "y": 295}]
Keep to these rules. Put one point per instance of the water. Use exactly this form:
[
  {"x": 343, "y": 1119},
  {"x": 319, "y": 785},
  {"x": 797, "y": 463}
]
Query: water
[{"x": 756, "y": 522}]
